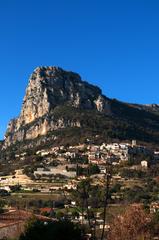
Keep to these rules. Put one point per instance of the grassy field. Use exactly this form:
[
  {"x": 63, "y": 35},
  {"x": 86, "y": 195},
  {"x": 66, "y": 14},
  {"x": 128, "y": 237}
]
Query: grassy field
[{"x": 24, "y": 200}]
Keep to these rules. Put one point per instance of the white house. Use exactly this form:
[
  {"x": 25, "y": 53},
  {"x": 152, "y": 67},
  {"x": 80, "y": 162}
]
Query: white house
[{"x": 144, "y": 164}]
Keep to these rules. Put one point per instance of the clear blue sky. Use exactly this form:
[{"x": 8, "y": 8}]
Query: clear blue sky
[{"x": 111, "y": 43}]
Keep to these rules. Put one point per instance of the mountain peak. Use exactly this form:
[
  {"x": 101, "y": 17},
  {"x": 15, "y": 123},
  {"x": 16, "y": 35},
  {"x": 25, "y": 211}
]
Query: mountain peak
[
  {"x": 50, "y": 87},
  {"x": 56, "y": 100},
  {"x": 44, "y": 72}
]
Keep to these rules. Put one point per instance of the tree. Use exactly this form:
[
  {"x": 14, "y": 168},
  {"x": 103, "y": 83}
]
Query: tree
[
  {"x": 133, "y": 224},
  {"x": 154, "y": 225},
  {"x": 15, "y": 188},
  {"x": 60, "y": 230},
  {"x": 94, "y": 169},
  {"x": 2, "y": 204},
  {"x": 89, "y": 196}
]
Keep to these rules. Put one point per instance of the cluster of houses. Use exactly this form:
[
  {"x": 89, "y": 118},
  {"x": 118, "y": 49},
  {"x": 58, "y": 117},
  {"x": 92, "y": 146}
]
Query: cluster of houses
[
  {"x": 98, "y": 154},
  {"x": 115, "y": 153},
  {"x": 67, "y": 159}
]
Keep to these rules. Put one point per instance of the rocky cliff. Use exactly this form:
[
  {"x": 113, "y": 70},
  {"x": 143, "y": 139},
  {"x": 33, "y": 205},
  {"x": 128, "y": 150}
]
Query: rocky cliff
[
  {"x": 59, "y": 107},
  {"x": 49, "y": 88}
]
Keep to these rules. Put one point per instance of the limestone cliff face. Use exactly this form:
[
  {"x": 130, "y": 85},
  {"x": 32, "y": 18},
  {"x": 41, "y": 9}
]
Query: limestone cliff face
[{"x": 50, "y": 87}]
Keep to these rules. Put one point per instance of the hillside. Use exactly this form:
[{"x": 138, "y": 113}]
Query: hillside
[{"x": 60, "y": 108}]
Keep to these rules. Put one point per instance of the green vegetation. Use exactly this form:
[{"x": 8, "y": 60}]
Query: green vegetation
[
  {"x": 125, "y": 123},
  {"x": 62, "y": 230}
]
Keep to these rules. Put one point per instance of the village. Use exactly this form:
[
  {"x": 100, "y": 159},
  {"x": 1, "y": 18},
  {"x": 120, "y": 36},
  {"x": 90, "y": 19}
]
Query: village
[{"x": 47, "y": 188}]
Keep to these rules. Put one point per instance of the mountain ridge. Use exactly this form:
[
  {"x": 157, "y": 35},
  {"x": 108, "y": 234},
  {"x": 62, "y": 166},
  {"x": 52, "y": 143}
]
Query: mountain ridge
[{"x": 57, "y": 99}]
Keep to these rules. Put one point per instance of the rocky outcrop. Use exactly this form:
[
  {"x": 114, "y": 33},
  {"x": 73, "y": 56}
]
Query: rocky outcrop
[
  {"x": 48, "y": 88},
  {"x": 154, "y": 108},
  {"x": 52, "y": 86},
  {"x": 59, "y": 105}
]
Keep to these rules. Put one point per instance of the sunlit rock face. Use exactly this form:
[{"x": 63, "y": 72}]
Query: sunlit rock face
[
  {"x": 48, "y": 88},
  {"x": 52, "y": 86}
]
